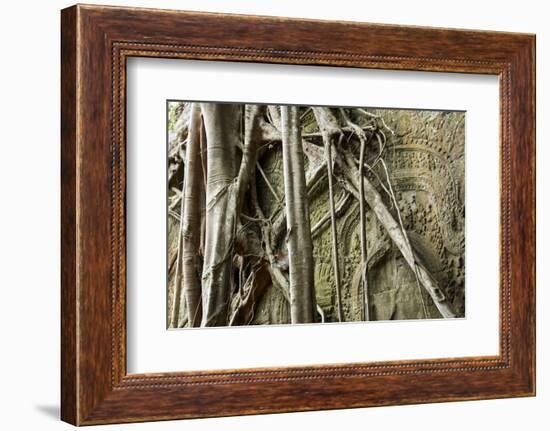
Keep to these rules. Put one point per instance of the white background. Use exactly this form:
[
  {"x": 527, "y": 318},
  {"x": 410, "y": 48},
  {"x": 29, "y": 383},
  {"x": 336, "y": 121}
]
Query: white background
[
  {"x": 151, "y": 348},
  {"x": 29, "y": 224}
]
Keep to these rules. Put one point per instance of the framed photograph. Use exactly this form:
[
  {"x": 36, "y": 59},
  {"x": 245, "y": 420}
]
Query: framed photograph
[{"x": 266, "y": 215}]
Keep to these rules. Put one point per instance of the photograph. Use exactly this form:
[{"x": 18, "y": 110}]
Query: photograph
[
  {"x": 277, "y": 209},
  {"x": 285, "y": 214}
]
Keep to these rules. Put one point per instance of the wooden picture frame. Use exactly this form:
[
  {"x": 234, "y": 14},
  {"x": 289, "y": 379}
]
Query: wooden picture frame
[{"x": 95, "y": 43}]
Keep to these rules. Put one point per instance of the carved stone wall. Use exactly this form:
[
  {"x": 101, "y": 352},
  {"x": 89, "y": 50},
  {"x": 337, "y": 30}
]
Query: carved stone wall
[{"x": 425, "y": 165}]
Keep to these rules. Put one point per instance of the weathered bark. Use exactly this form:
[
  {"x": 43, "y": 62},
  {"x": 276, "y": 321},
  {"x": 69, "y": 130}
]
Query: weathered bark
[
  {"x": 327, "y": 144},
  {"x": 300, "y": 248},
  {"x": 178, "y": 299},
  {"x": 275, "y": 115},
  {"x": 252, "y": 137},
  {"x": 191, "y": 220},
  {"x": 204, "y": 176},
  {"x": 222, "y": 125},
  {"x": 225, "y": 193}
]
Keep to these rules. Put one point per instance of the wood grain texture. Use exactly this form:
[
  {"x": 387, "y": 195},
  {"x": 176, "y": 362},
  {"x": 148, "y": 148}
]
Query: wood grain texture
[
  {"x": 96, "y": 41},
  {"x": 68, "y": 217}
]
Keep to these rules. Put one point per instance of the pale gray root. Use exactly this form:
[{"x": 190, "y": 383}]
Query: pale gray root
[
  {"x": 346, "y": 164},
  {"x": 327, "y": 141},
  {"x": 362, "y": 214},
  {"x": 178, "y": 298},
  {"x": 193, "y": 195},
  {"x": 321, "y": 313},
  {"x": 363, "y": 228},
  {"x": 300, "y": 247},
  {"x": 222, "y": 125},
  {"x": 275, "y": 116},
  {"x": 225, "y": 192},
  {"x": 252, "y": 136}
]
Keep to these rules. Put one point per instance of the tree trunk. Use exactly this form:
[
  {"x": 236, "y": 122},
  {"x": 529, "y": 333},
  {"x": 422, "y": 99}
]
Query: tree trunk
[
  {"x": 222, "y": 126},
  {"x": 191, "y": 219},
  {"x": 300, "y": 248}
]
